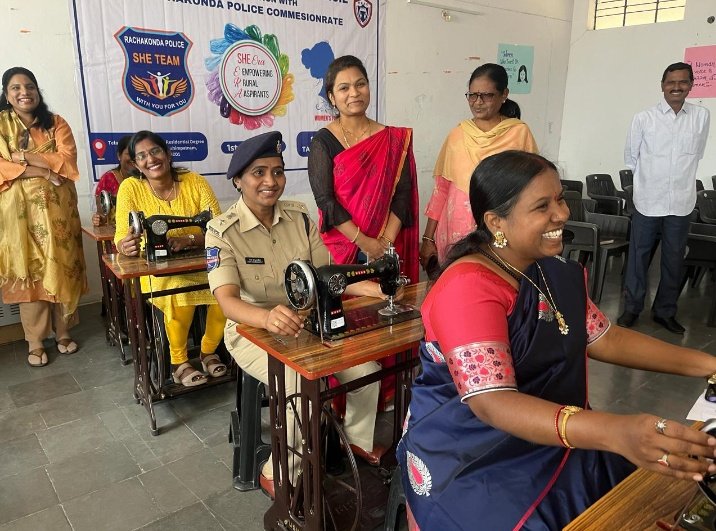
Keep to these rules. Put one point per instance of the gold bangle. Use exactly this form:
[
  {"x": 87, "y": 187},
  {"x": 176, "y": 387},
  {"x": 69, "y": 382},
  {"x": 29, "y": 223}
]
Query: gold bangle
[
  {"x": 568, "y": 412},
  {"x": 49, "y": 174},
  {"x": 356, "y": 236},
  {"x": 426, "y": 238},
  {"x": 23, "y": 160},
  {"x": 386, "y": 239}
]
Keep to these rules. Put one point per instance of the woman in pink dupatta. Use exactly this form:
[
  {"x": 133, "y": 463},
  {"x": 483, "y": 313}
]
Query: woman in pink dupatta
[{"x": 364, "y": 181}]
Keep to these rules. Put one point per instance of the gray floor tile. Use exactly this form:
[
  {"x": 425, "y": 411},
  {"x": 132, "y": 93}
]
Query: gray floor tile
[
  {"x": 122, "y": 506},
  {"x": 18, "y": 422},
  {"x": 20, "y": 455},
  {"x": 168, "y": 492},
  {"x": 102, "y": 373},
  {"x": 50, "y": 519},
  {"x": 24, "y": 494},
  {"x": 92, "y": 471},
  {"x": 75, "y": 406},
  {"x": 202, "y": 473},
  {"x": 208, "y": 423},
  {"x": 73, "y": 438},
  {"x": 242, "y": 511},
  {"x": 196, "y": 516},
  {"x": 41, "y": 389}
]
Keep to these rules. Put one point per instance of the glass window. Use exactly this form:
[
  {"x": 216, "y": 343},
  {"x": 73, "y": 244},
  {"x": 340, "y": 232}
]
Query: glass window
[{"x": 618, "y": 13}]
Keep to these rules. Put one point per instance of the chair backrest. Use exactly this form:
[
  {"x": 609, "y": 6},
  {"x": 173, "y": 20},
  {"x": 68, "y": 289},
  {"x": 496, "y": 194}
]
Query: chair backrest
[
  {"x": 699, "y": 185},
  {"x": 629, "y": 193},
  {"x": 575, "y": 186},
  {"x": 600, "y": 184},
  {"x": 713, "y": 182},
  {"x": 626, "y": 178},
  {"x": 575, "y": 204},
  {"x": 706, "y": 201}
]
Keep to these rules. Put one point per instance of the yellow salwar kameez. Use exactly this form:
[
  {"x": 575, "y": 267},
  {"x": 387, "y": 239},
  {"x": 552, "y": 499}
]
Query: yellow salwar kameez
[
  {"x": 193, "y": 196},
  {"x": 41, "y": 256}
]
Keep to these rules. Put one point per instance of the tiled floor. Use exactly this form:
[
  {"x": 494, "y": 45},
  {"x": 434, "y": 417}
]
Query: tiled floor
[{"x": 76, "y": 451}]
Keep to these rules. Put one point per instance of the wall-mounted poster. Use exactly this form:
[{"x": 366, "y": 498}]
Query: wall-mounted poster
[
  {"x": 703, "y": 61},
  {"x": 208, "y": 74},
  {"x": 517, "y": 60}
]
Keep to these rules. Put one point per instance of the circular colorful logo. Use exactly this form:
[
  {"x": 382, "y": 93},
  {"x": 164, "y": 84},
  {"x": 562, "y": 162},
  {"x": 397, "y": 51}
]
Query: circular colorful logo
[{"x": 250, "y": 78}]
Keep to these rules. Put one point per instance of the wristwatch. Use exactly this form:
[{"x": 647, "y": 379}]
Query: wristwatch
[{"x": 23, "y": 160}]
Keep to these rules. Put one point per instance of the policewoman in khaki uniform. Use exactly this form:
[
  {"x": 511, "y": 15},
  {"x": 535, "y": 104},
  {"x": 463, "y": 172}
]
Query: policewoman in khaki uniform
[{"x": 248, "y": 249}]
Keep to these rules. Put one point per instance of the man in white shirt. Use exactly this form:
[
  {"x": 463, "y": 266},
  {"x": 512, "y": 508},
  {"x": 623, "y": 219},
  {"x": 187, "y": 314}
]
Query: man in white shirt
[{"x": 663, "y": 149}]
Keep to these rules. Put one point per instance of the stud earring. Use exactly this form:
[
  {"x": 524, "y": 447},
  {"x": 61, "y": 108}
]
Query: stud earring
[{"x": 500, "y": 240}]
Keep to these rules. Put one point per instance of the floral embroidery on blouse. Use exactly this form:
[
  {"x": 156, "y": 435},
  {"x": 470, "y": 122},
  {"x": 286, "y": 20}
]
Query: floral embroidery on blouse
[
  {"x": 420, "y": 479},
  {"x": 597, "y": 322},
  {"x": 479, "y": 367},
  {"x": 435, "y": 354}
]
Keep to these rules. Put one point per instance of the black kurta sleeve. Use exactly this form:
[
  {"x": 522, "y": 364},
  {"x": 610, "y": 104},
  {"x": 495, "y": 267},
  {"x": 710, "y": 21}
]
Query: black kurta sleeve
[{"x": 400, "y": 205}]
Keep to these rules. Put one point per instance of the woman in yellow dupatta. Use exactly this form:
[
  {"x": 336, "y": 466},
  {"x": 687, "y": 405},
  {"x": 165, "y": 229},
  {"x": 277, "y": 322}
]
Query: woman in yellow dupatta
[
  {"x": 42, "y": 266},
  {"x": 495, "y": 127}
]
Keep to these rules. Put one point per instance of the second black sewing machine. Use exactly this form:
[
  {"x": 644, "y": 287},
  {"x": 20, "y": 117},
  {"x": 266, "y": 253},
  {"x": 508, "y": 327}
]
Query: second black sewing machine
[
  {"x": 320, "y": 289},
  {"x": 156, "y": 228}
]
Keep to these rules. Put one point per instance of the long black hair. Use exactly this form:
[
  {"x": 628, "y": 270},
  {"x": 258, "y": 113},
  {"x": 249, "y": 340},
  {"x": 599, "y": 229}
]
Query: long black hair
[
  {"x": 495, "y": 186},
  {"x": 44, "y": 118},
  {"x": 121, "y": 146},
  {"x": 158, "y": 140},
  {"x": 498, "y": 75}
]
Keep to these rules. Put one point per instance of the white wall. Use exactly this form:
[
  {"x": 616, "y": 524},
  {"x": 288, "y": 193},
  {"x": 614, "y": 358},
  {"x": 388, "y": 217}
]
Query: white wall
[
  {"x": 613, "y": 74},
  {"x": 428, "y": 61}
]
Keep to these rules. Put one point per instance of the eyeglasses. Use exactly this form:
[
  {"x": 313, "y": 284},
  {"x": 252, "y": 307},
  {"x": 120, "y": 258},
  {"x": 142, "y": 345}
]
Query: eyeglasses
[
  {"x": 486, "y": 97},
  {"x": 154, "y": 152}
]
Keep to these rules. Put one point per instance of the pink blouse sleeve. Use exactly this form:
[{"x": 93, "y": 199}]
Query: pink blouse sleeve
[
  {"x": 597, "y": 322},
  {"x": 438, "y": 198},
  {"x": 468, "y": 318}
]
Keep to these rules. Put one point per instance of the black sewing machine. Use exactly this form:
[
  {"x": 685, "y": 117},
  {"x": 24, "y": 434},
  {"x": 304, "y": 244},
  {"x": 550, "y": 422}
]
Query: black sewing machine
[
  {"x": 320, "y": 290},
  {"x": 106, "y": 203},
  {"x": 156, "y": 244}
]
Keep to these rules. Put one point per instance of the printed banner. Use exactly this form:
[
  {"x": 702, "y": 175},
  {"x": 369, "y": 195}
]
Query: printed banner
[
  {"x": 517, "y": 60},
  {"x": 208, "y": 74},
  {"x": 703, "y": 62}
]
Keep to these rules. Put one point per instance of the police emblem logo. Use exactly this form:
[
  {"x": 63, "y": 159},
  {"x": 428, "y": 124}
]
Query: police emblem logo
[
  {"x": 213, "y": 259},
  {"x": 156, "y": 78},
  {"x": 363, "y": 11}
]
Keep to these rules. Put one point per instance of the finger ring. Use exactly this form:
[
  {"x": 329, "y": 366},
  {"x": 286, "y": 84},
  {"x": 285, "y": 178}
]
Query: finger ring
[
  {"x": 276, "y": 323},
  {"x": 660, "y": 426},
  {"x": 664, "y": 460}
]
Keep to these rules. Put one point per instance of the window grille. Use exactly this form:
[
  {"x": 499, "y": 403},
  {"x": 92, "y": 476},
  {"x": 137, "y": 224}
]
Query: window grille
[{"x": 619, "y": 13}]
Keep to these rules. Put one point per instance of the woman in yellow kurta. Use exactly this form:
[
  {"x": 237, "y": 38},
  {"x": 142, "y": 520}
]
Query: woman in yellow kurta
[
  {"x": 163, "y": 189},
  {"x": 494, "y": 127},
  {"x": 42, "y": 266}
]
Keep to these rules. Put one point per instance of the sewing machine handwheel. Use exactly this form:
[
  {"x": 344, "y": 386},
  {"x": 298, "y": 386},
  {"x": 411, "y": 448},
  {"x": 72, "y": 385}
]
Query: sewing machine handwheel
[
  {"x": 300, "y": 284},
  {"x": 136, "y": 222}
]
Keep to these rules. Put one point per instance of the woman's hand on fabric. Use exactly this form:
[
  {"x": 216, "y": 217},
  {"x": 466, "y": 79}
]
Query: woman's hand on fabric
[
  {"x": 679, "y": 451},
  {"x": 55, "y": 178},
  {"x": 283, "y": 320},
  {"x": 427, "y": 249},
  {"x": 373, "y": 247},
  {"x": 130, "y": 244}
]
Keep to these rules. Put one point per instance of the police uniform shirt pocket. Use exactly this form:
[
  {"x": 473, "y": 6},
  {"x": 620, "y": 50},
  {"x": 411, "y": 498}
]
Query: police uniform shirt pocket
[{"x": 253, "y": 280}]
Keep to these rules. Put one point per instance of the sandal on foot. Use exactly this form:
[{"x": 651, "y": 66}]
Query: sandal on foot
[
  {"x": 188, "y": 376},
  {"x": 38, "y": 353},
  {"x": 67, "y": 346},
  {"x": 212, "y": 365}
]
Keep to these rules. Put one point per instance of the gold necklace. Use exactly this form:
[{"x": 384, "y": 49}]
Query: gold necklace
[
  {"x": 357, "y": 138},
  {"x": 167, "y": 196},
  {"x": 563, "y": 327}
]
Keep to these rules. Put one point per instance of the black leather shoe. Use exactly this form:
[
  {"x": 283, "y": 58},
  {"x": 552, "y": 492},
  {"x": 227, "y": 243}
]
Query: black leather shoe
[
  {"x": 627, "y": 319},
  {"x": 671, "y": 324}
]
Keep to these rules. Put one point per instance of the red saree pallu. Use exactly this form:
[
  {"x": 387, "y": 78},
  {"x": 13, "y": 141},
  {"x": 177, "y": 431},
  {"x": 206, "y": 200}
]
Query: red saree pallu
[{"x": 364, "y": 178}]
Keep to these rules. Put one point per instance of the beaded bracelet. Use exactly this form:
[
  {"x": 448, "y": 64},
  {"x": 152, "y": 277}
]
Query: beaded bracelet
[{"x": 568, "y": 412}]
